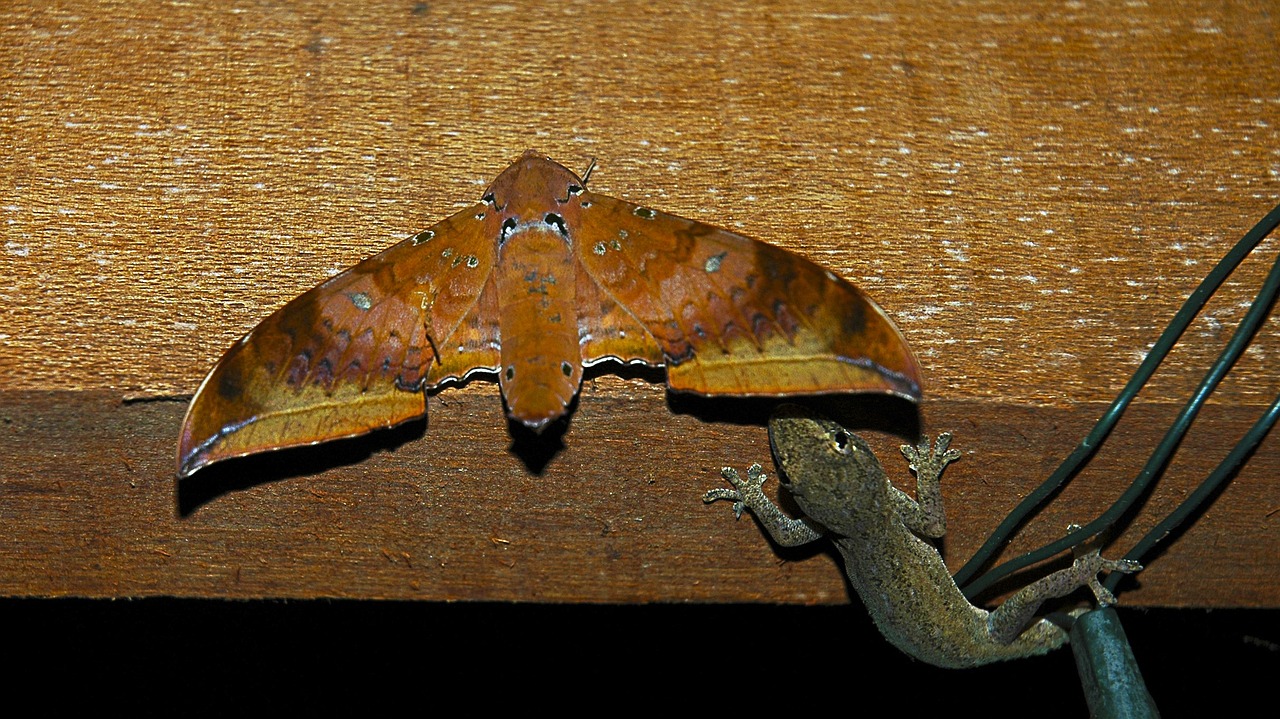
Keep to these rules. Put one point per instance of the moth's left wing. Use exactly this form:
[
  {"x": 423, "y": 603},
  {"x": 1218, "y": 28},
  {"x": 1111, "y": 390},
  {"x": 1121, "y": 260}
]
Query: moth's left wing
[{"x": 355, "y": 353}]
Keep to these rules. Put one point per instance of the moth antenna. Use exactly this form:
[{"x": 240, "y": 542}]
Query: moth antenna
[{"x": 587, "y": 175}]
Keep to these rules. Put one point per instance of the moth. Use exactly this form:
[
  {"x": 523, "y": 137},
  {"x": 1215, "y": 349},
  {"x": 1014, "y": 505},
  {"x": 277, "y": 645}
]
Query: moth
[{"x": 538, "y": 280}]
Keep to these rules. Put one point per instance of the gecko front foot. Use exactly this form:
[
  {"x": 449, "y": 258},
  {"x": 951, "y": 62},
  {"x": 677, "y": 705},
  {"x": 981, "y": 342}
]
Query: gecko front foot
[
  {"x": 925, "y": 516},
  {"x": 745, "y": 491},
  {"x": 928, "y": 462},
  {"x": 749, "y": 494}
]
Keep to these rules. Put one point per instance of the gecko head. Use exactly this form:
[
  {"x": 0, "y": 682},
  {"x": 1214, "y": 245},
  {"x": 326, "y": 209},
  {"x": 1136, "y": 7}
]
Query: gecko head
[{"x": 821, "y": 463}]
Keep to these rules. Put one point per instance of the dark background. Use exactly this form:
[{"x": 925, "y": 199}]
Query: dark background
[{"x": 196, "y": 656}]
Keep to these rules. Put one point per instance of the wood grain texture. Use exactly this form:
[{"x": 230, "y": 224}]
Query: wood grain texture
[
  {"x": 92, "y": 509},
  {"x": 1029, "y": 190}
]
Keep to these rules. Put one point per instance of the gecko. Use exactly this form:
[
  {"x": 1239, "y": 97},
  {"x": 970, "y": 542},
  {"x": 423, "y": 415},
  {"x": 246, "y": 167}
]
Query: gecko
[{"x": 844, "y": 493}]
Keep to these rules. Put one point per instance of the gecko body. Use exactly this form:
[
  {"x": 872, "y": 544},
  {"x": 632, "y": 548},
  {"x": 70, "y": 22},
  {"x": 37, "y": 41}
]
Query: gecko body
[{"x": 901, "y": 578}]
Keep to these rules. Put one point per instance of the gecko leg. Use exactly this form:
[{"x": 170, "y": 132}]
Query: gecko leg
[
  {"x": 1009, "y": 619},
  {"x": 748, "y": 494},
  {"x": 926, "y": 516}
]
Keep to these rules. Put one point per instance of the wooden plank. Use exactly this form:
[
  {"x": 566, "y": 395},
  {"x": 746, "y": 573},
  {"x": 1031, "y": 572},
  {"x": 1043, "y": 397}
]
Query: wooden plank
[
  {"x": 458, "y": 511},
  {"x": 1029, "y": 193}
]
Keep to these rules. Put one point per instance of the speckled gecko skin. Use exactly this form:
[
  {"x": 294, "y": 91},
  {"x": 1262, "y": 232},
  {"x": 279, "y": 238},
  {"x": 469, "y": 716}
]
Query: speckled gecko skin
[{"x": 902, "y": 580}]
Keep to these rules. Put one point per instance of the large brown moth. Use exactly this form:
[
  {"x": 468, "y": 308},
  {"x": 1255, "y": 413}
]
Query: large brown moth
[{"x": 536, "y": 281}]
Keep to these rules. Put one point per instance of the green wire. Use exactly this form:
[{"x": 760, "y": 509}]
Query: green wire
[
  {"x": 1194, "y": 303},
  {"x": 1239, "y": 341},
  {"x": 1202, "y": 493}
]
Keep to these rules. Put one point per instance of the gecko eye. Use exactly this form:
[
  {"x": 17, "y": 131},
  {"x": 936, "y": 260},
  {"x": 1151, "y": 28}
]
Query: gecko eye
[{"x": 842, "y": 442}]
